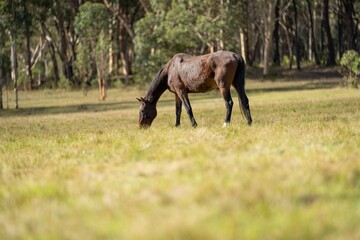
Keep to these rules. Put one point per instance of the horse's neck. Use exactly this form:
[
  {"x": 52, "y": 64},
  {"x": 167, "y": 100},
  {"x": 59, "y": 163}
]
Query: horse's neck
[{"x": 157, "y": 87}]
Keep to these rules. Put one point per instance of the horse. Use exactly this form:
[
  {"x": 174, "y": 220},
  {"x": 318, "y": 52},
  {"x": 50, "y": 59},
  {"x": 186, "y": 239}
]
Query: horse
[{"x": 185, "y": 74}]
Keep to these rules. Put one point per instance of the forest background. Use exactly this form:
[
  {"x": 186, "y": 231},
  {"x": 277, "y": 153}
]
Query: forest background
[{"x": 81, "y": 43}]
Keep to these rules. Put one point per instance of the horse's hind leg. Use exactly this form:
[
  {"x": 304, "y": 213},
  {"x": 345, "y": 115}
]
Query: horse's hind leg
[
  {"x": 243, "y": 102},
  {"x": 185, "y": 99},
  {"x": 222, "y": 76},
  {"x": 225, "y": 92},
  {"x": 178, "y": 104}
]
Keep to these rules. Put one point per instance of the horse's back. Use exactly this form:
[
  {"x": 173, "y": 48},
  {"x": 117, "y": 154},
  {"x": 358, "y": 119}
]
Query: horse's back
[{"x": 198, "y": 73}]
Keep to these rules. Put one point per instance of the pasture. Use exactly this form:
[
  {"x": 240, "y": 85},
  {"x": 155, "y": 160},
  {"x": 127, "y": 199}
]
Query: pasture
[{"x": 72, "y": 167}]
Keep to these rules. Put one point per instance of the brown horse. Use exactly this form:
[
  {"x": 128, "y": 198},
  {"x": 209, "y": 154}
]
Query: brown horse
[{"x": 185, "y": 74}]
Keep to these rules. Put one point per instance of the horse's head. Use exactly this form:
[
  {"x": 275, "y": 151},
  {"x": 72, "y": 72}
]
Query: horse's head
[{"x": 147, "y": 113}]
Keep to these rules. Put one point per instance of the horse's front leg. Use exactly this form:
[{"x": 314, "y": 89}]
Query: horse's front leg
[
  {"x": 178, "y": 104},
  {"x": 183, "y": 95},
  {"x": 228, "y": 104}
]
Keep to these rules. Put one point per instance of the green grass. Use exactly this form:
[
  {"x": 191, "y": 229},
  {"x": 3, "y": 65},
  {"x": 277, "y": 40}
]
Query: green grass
[{"x": 72, "y": 167}]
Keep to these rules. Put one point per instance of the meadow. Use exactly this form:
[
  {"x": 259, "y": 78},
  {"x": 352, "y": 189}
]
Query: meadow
[{"x": 72, "y": 167}]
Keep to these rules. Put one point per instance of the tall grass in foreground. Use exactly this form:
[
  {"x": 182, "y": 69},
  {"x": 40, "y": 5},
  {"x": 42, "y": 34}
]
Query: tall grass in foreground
[{"x": 75, "y": 168}]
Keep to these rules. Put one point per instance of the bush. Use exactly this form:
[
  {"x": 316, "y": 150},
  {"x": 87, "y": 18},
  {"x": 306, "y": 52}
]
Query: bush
[
  {"x": 64, "y": 83},
  {"x": 350, "y": 63}
]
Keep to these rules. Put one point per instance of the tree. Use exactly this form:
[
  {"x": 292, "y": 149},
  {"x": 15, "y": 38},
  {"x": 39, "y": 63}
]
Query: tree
[
  {"x": 63, "y": 40},
  {"x": 313, "y": 42},
  {"x": 250, "y": 27},
  {"x": 45, "y": 40},
  {"x": 350, "y": 62},
  {"x": 348, "y": 20},
  {"x": 276, "y": 59},
  {"x": 11, "y": 22},
  {"x": 296, "y": 37},
  {"x": 269, "y": 22},
  {"x": 1, "y": 74},
  {"x": 330, "y": 45},
  {"x": 27, "y": 22},
  {"x": 125, "y": 13},
  {"x": 192, "y": 27},
  {"x": 91, "y": 26}
]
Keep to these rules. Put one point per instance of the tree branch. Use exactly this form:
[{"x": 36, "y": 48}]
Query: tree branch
[{"x": 121, "y": 18}]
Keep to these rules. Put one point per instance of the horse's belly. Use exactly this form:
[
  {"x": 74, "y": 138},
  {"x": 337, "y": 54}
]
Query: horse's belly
[
  {"x": 201, "y": 81},
  {"x": 205, "y": 86}
]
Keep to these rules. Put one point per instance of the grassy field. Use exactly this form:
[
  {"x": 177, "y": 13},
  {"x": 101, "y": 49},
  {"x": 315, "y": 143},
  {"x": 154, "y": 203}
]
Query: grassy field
[{"x": 72, "y": 167}]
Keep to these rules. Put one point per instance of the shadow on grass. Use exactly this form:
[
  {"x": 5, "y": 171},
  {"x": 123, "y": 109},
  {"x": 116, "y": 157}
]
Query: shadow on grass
[
  {"x": 110, "y": 106},
  {"x": 75, "y": 108},
  {"x": 298, "y": 87}
]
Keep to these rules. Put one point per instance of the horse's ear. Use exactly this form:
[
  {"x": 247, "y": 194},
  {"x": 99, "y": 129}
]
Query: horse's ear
[{"x": 141, "y": 99}]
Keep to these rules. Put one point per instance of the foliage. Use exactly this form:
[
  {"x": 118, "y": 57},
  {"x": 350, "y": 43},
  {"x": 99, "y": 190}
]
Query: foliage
[
  {"x": 171, "y": 28},
  {"x": 350, "y": 62},
  {"x": 140, "y": 36},
  {"x": 159, "y": 35},
  {"x": 6, "y": 64},
  {"x": 64, "y": 84},
  {"x": 91, "y": 25},
  {"x": 91, "y": 20}
]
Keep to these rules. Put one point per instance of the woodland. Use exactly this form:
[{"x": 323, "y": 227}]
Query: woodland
[
  {"x": 73, "y": 166},
  {"x": 101, "y": 43}
]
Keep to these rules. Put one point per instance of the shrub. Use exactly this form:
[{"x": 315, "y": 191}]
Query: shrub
[{"x": 350, "y": 63}]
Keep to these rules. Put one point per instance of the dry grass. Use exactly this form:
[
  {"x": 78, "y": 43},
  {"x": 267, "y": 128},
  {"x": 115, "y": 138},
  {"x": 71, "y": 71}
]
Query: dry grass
[{"x": 74, "y": 168}]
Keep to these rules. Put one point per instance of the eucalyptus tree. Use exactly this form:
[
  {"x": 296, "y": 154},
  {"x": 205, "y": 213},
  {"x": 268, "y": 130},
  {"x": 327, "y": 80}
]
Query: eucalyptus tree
[
  {"x": 1, "y": 74},
  {"x": 92, "y": 28},
  {"x": 169, "y": 27},
  {"x": 11, "y": 23},
  {"x": 330, "y": 45},
  {"x": 59, "y": 30},
  {"x": 124, "y": 15}
]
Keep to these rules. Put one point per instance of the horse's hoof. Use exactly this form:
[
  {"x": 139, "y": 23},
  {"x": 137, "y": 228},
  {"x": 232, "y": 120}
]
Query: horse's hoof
[{"x": 225, "y": 124}]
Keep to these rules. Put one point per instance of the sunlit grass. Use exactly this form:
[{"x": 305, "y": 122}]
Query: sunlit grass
[{"x": 75, "y": 168}]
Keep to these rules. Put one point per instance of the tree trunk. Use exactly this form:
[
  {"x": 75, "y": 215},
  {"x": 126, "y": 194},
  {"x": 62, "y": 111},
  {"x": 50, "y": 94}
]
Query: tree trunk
[
  {"x": 242, "y": 45},
  {"x": 350, "y": 35},
  {"x": 28, "y": 51},
  {"x": 296, "y": 38},
  {"x": 124, "y": 53},
  {"x": 221, "y": 45},
  {"x": 55, "y": 63},
  {"x": 312, "y": 34},
  {"x": 276, "y": 59},
  {"x": 245, "y": 32},
  {"x": 268, "y": 34},
  {"x": 330, "y": 45},
  {"x": 28, "y": 59},
  {"x": 67, "y": 65},
  {"x": 14, "y": 69},
  {"x": 100, "y": 66},
  {"x": 7, "y": 77},
  {"x": 339, "y": 29},
  {"x": 103, "y": 79},
  {"x": 289, "y": 45},
  {"x": 1, "y": 75},
  {"x": 121, "y": 18}
]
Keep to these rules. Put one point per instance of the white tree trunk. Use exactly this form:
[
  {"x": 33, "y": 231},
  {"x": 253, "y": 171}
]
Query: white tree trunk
[
  {"x": 242, "y": 44},
  {"x": 14, "y": 69}
]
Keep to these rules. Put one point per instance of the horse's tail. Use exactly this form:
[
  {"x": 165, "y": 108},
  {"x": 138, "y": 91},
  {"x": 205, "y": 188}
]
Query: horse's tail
[{"x": 239, "y": 83}]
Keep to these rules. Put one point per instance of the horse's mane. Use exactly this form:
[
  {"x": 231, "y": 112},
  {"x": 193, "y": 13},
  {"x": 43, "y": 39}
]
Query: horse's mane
[{"x": 158, "y": 85}]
